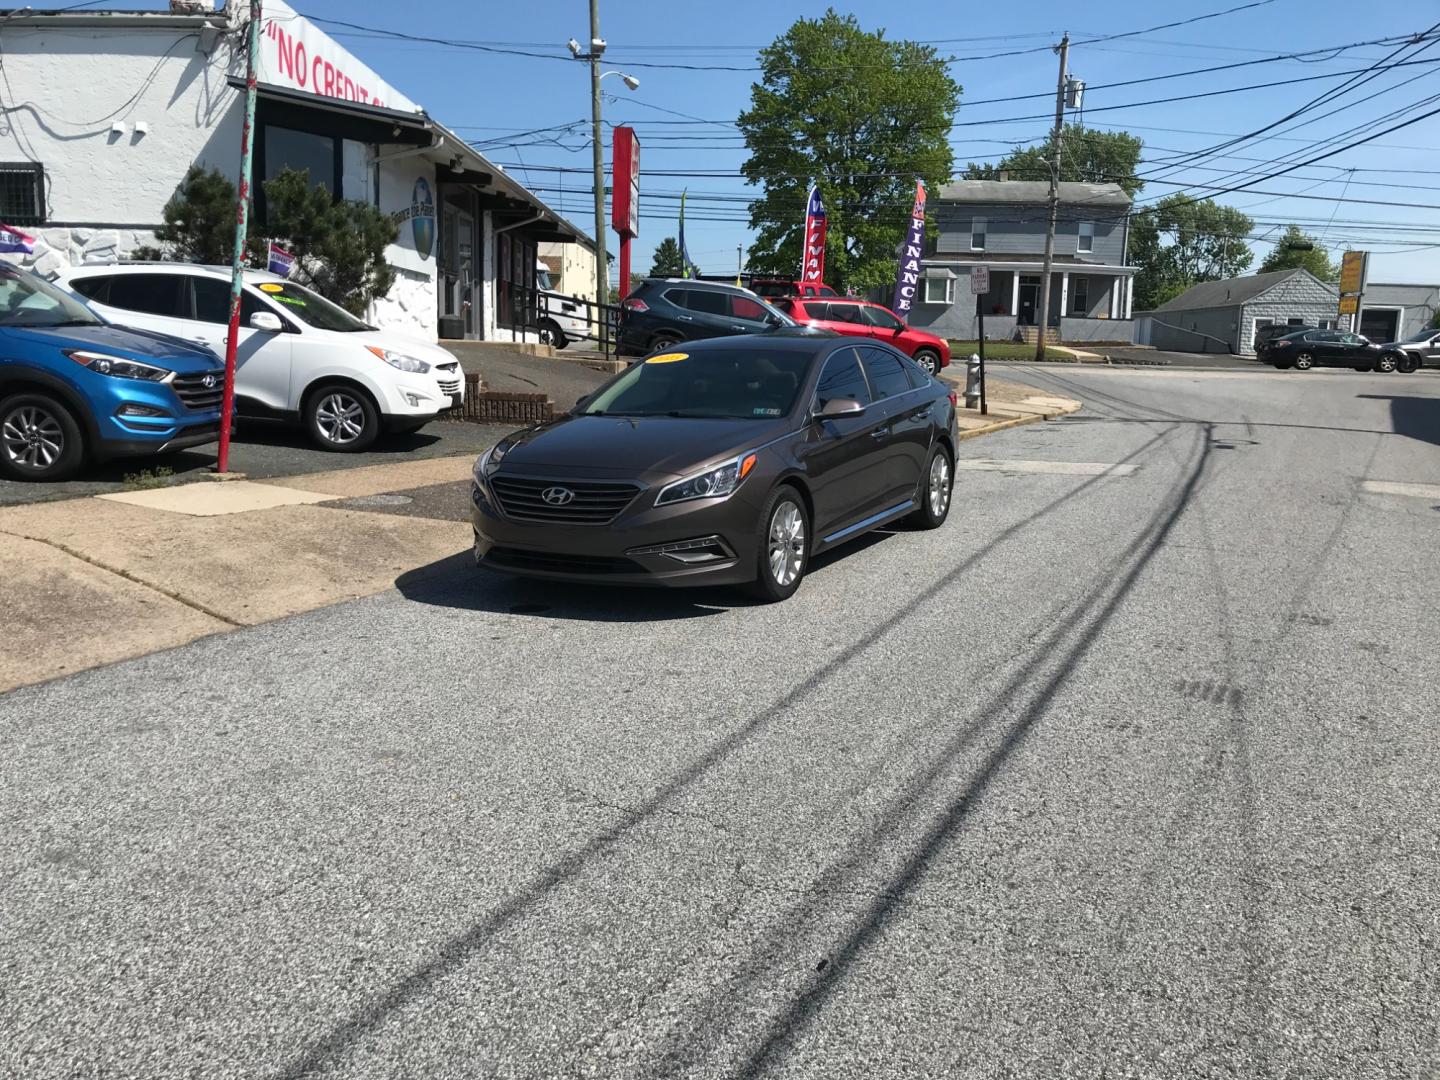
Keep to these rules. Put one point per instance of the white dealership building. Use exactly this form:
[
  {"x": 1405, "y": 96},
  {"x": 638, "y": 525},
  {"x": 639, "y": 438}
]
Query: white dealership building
[{"x": 106, "y": 111}]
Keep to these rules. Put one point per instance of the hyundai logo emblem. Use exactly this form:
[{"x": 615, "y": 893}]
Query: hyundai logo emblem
[
  {"x": 557, "y": 496},
  {"x": 208, "y": 382}
]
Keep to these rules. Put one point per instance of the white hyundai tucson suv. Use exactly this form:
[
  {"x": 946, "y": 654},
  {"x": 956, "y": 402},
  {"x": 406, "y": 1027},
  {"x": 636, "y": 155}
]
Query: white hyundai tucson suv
[{"x": 300, "y": 358}]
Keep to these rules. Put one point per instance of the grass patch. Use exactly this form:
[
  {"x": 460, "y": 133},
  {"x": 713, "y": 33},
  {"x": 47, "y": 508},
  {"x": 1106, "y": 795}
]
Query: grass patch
[
  {"x": 148, "y": 478},
  {"x": 1001, "y": 350}
]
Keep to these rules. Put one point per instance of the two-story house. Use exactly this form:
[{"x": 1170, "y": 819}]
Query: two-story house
[{"x": 1001, "y": 224}]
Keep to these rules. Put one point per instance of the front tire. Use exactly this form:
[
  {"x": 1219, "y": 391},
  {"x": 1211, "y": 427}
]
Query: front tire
[
  {"x": 341, "y": 418},
  {"x": 936, "y": 492},
  {"x": 928, "y": 359},
  {"x": 1304, "y": 362},
  {"x": 1406, "y": 362},
  {"x": 783, "y": 549},
  {"x": 1385, "y": 362},
  {"x": 552, "y": 335},
  {"x": 39, "y": 439}
]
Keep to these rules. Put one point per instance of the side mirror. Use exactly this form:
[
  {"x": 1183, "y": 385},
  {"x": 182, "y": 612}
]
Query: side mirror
[
  {"x": 580, "y": 403},
  {"x": 267, "y": 322},
  {"x": 836, "y": 408}
]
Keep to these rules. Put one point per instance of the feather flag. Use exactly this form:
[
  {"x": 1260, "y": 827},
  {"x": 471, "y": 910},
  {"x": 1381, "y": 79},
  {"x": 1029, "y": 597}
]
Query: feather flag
[
  {"x": 907, "y": 281},
  {"x": 13, "y": 241},
  {"x": 812, "y": 264}
]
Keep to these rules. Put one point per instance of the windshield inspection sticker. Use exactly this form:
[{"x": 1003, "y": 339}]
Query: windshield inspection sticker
[
  {"x": 668, "y": 358},
  {"x": 765, "y": 412},
  {"x": 270, "y": 286}
]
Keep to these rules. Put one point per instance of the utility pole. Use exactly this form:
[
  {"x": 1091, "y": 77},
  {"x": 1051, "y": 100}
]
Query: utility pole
[
  {"x": 602, "y": 270},
  {"x": 242, "y": 220},
  {"x": 1049, "y": 264},
  {"x": 739, "y": 263}
]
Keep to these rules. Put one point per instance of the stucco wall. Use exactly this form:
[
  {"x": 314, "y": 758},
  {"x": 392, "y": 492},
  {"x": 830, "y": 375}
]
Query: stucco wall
[{"x": 1298, "y": 297}]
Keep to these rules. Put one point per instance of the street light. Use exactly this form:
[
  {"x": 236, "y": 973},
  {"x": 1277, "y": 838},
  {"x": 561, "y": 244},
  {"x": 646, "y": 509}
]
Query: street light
[{"x": 597, "y": 50}]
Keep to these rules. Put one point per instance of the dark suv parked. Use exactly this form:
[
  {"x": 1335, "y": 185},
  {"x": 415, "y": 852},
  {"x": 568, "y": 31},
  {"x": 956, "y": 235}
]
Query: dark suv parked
[{"x": 662, "y": 312}]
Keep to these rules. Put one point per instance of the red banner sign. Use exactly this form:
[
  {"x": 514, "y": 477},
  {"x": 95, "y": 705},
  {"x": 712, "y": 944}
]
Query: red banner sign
[{"x": 812, "y": 267}]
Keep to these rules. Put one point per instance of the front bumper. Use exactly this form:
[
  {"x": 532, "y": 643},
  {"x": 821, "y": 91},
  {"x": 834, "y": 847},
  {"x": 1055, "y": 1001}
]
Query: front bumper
[{"x": 692, "y": 543}]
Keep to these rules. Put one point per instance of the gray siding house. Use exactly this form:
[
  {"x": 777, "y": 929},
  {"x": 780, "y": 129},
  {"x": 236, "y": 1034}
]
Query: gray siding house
[
  {"x": 1001, "y": 224},
  {"x": 1395, "y": 312},
  {"x": 1222, "y": 316}
]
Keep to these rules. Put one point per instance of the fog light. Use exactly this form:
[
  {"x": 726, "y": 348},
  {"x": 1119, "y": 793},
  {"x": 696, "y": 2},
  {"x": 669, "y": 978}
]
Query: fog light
[
  {"x": 131, "y": 409},
  {"x": 412, "y": 399},
  {"x": 704, "y": 549}
]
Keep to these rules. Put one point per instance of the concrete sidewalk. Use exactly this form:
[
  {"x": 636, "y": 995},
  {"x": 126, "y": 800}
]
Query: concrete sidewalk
[
  {"x": 1010, "y": 405},
  {"x": 96, "y": 580}
]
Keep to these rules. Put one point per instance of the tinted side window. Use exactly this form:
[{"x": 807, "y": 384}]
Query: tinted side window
[
  {"x": 813, "y": 311},
  {"x": 152, "y": 294},
  {"x": 847, "y": 313},
  {"x": 706, "y": 302},
  {"x": 212, "y": 301},
  {"x": 841, "y": 379},
  {"x": 880, "y": 317},
  {"x": 94, "y": 288},
  {"x": 885, "y": 372},
  {"x": 742, "y": 307}
]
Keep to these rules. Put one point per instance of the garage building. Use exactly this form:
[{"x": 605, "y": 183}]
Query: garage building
[{"x": 1223, "y": 316}]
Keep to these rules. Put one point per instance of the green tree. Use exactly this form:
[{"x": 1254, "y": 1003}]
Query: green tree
[
  {"x": 339, "y": 245},
  {"x": 1298, "y": 250},
  {"x": 199, "y": 222},
  {"x": 1086, "y": 155},
  {"x": 1180, "y": 241},
  {"x": 862, "y": 116},
  {"x": 666, "y": 261}
]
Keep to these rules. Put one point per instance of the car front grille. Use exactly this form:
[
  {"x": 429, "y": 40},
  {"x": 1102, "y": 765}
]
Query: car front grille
[
  {"x": 194, "y": 394},
  {"x": 553, "y": 563},
  {"x": 448, "y": 376},
  {"x": 591, "y": 503}
]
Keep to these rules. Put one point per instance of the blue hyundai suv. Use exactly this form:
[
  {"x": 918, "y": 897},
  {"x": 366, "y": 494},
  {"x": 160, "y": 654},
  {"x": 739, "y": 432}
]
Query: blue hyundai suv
[{"x": 73, "y": 387}]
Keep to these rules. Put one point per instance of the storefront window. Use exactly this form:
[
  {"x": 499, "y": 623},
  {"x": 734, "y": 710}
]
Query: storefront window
[{"x": 319, "y": 155}]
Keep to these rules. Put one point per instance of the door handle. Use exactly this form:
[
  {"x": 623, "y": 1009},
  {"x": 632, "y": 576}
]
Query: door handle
[
  {"x": 685, "y": 318},
  {"x": 880, "y": 433}
]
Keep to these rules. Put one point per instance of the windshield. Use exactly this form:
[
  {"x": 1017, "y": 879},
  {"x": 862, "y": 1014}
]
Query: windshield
[
  {"x": 1423, "y": 335},
  {"x": 310, "y": 307},
  {"x": 542, "y": 280},
  {"x": 26, "y": 300},
  {"x": 732, "y": 384}
]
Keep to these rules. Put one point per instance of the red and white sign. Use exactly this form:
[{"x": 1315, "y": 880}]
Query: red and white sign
[
  {"x": 625, "y": 201},
  {"x": 297, "y": 54}
]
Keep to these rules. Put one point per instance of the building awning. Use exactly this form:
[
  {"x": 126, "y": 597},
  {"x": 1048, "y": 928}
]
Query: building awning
[{"x": 304, "y": 111}]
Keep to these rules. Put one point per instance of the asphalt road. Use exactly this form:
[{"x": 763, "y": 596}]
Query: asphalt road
[{"x": 1125, "y": 773}]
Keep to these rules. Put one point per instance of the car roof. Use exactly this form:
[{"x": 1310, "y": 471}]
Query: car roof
[
  {"x": 141, "y": 267},
  {"x": 696, "y": 283},
  {"x": 790, "y": 339}
]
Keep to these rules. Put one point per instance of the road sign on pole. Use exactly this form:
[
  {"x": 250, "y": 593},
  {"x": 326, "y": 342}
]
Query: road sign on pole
[
  {"x": 980, "y": 280},
  {"x": 1354, "y": 269}
]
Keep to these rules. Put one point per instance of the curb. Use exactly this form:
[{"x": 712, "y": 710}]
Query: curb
[{"x": 1017, "y": 421}]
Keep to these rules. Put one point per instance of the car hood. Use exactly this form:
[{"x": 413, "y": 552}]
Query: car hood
[
  {"x": 614, "y": 446},
  {"x": 171, "y": 352}
]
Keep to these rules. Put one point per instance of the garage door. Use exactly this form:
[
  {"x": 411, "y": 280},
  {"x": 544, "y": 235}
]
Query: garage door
[{"x": 1380, "y": 325}]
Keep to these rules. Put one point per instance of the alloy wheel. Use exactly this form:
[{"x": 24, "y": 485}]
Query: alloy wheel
[
  {"x": 929, "y": 362},
  {"x": 1304, "y": 361},
  {"x": 939, "y": 485},
  {"x": 32, "y": 437},
  {"x": 1385, "y": 363},
  {"x": 787, "y": 543},
  {"x": 340, "y": 418}
]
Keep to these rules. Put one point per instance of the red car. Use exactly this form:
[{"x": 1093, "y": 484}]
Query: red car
[
  {"x": 770, "y": 288},
  {"x": 860, "y": 318}
]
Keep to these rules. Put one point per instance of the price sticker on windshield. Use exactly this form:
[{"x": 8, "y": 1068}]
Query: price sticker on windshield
[{"x": 668, "y": 358}]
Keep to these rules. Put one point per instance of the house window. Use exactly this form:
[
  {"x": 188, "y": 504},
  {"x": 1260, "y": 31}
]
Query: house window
[
  {"x": 940, "y": 290},
  {"x": 1087, "y": 237},
  {"x": 1079, "y": 296},
  {"x": 977, "y": 234},
  {"x": 22, "y": 193}
]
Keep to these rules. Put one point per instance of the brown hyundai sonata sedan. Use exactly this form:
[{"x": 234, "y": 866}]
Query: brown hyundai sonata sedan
[{"x": 732, "y": 461}]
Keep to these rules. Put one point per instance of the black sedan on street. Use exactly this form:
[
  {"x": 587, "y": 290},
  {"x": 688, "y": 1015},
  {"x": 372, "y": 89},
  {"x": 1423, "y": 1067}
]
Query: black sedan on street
[
  {"x": 1306, "y": 349},
  {"x": 730, "y": 461}
]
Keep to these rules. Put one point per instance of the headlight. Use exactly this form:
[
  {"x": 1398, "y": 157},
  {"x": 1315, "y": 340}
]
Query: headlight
[
  {"x": 714, "y": 483},
  {"x": 400, "y": 361},
  {"x": 490, "y": 460},
  {"x": 118, "y": 366}
]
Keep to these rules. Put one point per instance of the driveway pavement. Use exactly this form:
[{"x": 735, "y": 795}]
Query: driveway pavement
[{"x": 1126, "y": 772}]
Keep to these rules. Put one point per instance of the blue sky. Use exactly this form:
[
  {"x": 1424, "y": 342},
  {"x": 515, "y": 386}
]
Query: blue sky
[{"x": 495, "y": 99}]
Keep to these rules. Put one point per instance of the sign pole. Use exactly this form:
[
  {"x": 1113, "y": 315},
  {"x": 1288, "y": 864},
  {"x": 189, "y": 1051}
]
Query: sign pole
[
  {"x": 242, "y": 220},
  {"x": 980, "y": 286}
]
